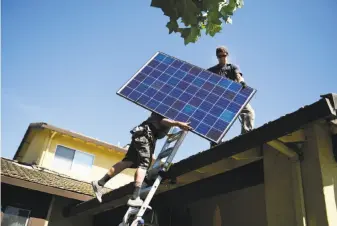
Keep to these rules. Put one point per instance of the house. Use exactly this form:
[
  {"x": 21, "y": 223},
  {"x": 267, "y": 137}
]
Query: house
[
  {"x": 282, "y": 173},
  {"x": 51, "y": 169}
]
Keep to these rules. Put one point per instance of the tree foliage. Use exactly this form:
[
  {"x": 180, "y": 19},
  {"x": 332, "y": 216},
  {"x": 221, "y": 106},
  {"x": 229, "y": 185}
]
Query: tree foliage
[{"x": 190, "y": 17}]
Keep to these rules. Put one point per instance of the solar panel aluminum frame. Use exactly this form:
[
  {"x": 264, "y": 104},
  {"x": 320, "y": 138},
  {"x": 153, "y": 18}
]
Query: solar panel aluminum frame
[{"x": 196, "y": 132}]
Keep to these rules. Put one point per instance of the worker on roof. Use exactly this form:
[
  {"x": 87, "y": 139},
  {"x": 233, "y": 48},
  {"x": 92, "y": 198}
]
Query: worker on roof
[
  {"x": 139, "y": 154},
  {"x": 232, "y": 72}
]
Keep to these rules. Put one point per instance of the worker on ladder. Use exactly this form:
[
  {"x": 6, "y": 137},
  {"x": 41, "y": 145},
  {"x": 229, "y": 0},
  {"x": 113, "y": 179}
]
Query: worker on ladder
[{"x": 139, "y": 154}]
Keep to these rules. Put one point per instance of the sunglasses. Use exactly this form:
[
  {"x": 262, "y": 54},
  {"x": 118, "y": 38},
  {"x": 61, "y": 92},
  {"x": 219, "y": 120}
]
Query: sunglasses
[{"x": 221, "y": 56}]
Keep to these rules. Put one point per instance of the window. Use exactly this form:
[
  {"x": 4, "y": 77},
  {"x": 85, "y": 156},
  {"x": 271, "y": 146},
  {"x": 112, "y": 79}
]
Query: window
[
  {"x": 71, "y": 161},
  {"x": 15, "y": 217}
]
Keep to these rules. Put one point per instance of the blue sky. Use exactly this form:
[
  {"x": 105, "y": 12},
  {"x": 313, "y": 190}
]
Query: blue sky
[{"x": 63, "y": 61}]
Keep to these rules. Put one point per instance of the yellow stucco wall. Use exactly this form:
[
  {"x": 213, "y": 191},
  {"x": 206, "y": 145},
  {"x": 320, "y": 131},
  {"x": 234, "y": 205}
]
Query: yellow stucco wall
[
  {"x": 40, "y": 149},
  {"x": 34, "y": 145}
]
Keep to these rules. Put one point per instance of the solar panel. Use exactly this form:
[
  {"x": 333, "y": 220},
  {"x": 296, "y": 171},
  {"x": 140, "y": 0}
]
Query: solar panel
[{"x": 184, "y": 92}]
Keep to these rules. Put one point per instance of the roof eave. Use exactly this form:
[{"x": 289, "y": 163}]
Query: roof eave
[{"x": 268, "y": 132}]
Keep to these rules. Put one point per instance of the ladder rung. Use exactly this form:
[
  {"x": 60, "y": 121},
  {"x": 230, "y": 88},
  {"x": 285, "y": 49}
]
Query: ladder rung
[
  {"x": 173, "y": 137},
  {"x": 165, "y": 153}
]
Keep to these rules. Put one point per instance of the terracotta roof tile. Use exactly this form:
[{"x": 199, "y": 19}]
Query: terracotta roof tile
[{"x": 40, "y": 176}]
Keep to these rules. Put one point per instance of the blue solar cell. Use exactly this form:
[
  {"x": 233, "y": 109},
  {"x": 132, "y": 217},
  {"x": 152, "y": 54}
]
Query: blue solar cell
[
  {"x": 152, "y": 104},
  {"x": 140, "y": 77},
  {"x": 195, "y": 101},
  {"x": 177, "y": 64},
  {"x": 210, "y": 120},
  {"x": 126, "y": 91},
  {"x": 148, "y": 81},
  {"x": 185, "y": 97},
  {"x": 235, "y": 87},
  {"x": 227, "y": 116},
  {"x": 246, "y": 91},
  {"x": 168, "y": 60},
  {"x": 212, "y": 98},
  {"x": 176, "y": 93},
  {"x": 191, "y": 89},
  {"x": 162, "y": 67},
  {"x": 193, "y": 122},
  {"x": 133, "y": 84},
  {"x": 178, "y": 105},
  {"x": 206, "y": 106},
  {"x": 188, "y": 78},
  {"x": 141, "y": 88},
  {"x": 182, "y": 85},
  {"x": 205, "y": 75},
  {"x": 188, "y": 109},
  {"x": 198, "y": 114},
  {"x": 222, "y": 102},
  {"x": 154, "y": 63},
  {"x": 221, "y": 125},
  {"x": 173, "y": 81},
  {"x": 160, "y": 57},
  {"x": 179, "y": 74},
  {"x": 233, "y": 107},
  {"x": 155, "y": 74},
  {"x": 134, "y": 95},
  {"x": 208, "y": 86},
  {"x": 198, "y": 82},
  {"x": 150, "y": 92},
  {"x": 195, "y": 71},
  {"x": 181, "y": 117},
  {"x": 159, "y": 96},
  {"x": 166, "y": 88},
  {"x": 172, "y": 113},
  {"x": 203, "y": 128},
  {"x": 162, "y": 109},
  {"x": 158, "y": 85},
  {"x": 214, "y": 79},
  {"x": 239, "y": 99},
  {"x": 224, "y": 83},
  {"x": 216, "y": 111},
  {"x": 171, "y": 70},
  {"x": 186, "y": 67},
  {"x": 164, "y": 77},
  {"x": 143, "y": 99},
  {"x": 146, "y": 70},
  {"x": 169, "y": 100},
  {"x": 181, "y": 91},
  {"x": 202, "y": 94},
  {"x": 218, "y": 90},
  {"x": 214, "y": 134},
  {"x": 229, "y": 95}
]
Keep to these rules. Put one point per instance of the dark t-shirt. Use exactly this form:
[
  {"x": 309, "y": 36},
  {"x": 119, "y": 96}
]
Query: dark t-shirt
[
  {"x": 159, "y": 130},
  {"x": 228, "y": 70}
]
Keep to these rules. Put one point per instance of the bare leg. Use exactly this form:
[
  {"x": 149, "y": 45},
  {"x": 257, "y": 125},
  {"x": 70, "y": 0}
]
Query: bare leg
[
  {"x": 139, "y": 176},
  {"x": 114, "y": 170}
]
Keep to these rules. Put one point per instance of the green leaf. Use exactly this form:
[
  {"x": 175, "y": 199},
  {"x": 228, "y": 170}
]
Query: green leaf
[
  {"x": 172, "y": 25},
  {"x": 197, "y": 15}
]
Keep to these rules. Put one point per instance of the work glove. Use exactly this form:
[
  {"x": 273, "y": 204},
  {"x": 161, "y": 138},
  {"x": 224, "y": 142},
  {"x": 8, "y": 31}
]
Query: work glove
[{"x": 244, "y": 85}]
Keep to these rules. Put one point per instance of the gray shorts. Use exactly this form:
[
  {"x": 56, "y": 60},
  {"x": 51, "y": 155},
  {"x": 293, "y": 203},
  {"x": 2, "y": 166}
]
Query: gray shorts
[{"x": 140, "y": 152}]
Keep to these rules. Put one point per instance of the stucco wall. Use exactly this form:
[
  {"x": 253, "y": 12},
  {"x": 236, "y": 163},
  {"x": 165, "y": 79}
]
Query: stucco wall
[
  {"x": 238, "y": 208},
  {"x": 103, "y": 160}
]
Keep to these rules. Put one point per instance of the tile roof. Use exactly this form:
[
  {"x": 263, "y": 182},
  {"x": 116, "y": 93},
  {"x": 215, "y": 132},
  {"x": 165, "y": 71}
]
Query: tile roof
[{"x": 41, "y": 176}]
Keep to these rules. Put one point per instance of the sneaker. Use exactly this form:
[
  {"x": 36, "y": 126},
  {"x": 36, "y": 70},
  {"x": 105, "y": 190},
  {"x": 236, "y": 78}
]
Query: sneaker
[
  {"x": 98, "y": 190},
  {"x": 138, "y": 202}
]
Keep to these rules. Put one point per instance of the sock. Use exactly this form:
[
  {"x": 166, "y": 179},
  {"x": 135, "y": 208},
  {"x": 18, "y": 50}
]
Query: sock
[
  {"x": 136, "y": 192},
  {"x": 104, "y": 180}
]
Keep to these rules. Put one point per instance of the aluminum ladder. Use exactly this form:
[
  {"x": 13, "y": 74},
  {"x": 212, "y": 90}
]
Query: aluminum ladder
[{"x": 134, "y": 215}]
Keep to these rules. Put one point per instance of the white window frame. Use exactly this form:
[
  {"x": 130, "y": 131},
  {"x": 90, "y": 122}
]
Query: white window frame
[
  {"x": 72, "y": 162},
  {"x": 27, "y": 219}
]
